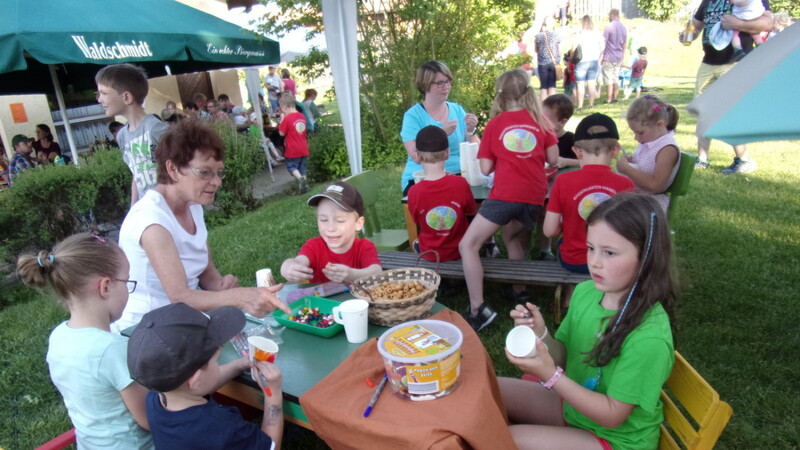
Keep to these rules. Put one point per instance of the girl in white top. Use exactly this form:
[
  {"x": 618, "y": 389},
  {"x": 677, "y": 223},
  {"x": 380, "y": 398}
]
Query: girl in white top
[
  {"x": 165, "y": 238},
  {"x": 88, "y": 364},
  {"x": 591, "y": 45},
  {"x": 654, "y": 164}
]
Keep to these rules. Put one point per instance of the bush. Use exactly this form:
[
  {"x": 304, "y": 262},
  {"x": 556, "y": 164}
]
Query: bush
[
  {"x": 328, "y": 158},
  {"x": 244, "y": 160},
  {"x": 45, "y": 204}
]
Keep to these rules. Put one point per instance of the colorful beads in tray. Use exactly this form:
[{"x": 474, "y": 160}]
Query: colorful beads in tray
[{"x": 313, "y": 317}]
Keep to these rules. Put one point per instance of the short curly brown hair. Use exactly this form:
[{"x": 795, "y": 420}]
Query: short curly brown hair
[{"x": 180, "y": 144}]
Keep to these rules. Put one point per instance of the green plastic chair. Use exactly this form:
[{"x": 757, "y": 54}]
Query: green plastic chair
[
  {"x": 680, "y": 185},
  {"x": 385, "y": 240}
]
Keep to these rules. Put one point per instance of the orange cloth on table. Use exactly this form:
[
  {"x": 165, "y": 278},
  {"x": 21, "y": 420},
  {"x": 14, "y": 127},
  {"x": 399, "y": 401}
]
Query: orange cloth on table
[{"x": 472, "y": 416}]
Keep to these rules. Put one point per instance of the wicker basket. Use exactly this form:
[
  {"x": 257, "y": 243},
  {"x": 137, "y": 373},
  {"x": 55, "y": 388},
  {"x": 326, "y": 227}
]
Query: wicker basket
[{"x": 388, "y": 313}]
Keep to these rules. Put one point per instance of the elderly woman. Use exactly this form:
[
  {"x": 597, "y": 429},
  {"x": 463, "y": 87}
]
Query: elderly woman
[
  {"x": 46, "y": 148},
  {"x": 164, "y": 235},
  {"x": 434, "y": 81},
  {"x": 591, "y": 44}
]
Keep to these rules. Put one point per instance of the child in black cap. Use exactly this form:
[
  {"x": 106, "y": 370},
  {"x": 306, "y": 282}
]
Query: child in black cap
[
  {"x": 440, "y": 203},
  {"x": 174, "y": 352},
  {"x": 336, "y": 254},
  {"x": 575, "y": 194}
]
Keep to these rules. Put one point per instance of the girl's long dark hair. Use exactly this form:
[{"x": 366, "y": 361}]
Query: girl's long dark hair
[{"x": 633, "y": 216}]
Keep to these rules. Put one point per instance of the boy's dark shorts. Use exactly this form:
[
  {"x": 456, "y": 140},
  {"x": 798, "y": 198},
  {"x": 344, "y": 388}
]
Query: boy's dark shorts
[
  {"x": 501, "y": 213},
  {"x": 298, "y": 164}
]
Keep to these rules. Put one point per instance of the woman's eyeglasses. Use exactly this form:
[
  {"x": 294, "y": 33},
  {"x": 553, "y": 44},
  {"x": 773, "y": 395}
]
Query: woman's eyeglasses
[
  {"x": 131, "y": 284},
  {"x": 206, "y": 174},
  {"x": 443, "y": 83}
]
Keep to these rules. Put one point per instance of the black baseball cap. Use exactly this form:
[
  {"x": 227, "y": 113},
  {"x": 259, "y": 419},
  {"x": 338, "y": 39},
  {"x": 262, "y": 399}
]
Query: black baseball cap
[
  {"x": 343, "y": 194},
  {"x": 432, "y": 139},
  {"x": 596, "y": 120},
  {"x": 172, "y": 342}
]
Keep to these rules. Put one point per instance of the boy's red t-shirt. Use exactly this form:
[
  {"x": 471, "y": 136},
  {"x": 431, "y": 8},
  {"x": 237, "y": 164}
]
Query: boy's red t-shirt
[
  {"x": 575, "y": 195},
  {"x": 361, "y": 255},
  {"x": 293, "y": 127},
  {"x": 440, "y": 208},
  {"x": 517, "y": 144}
]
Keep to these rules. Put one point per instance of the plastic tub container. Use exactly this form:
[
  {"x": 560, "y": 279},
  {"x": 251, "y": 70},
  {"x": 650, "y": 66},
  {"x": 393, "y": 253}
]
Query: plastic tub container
[{"x": 422, "y": 358}]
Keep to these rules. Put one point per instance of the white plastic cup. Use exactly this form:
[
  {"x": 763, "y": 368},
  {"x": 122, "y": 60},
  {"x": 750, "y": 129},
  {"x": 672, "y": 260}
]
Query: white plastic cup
[
  {"x": 264, "y": 278},
  {"x": 353, "y": 315},
  {"x": 262, "y": 349},
  {"x": 521, "y": 342}
]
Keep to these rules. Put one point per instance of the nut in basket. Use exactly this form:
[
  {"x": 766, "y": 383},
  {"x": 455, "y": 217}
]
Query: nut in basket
[{"x": 398, "y": 295}]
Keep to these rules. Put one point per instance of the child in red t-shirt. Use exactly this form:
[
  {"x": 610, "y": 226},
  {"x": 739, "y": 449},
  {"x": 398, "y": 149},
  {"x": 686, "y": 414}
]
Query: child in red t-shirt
[
  {"x": 337, "y": 254},
  {"x": 514, "y": 145},
  {"x": 293, "y": 126},
  {"x": 440, "y": 203},
  {"x": 576, "y": 194}
]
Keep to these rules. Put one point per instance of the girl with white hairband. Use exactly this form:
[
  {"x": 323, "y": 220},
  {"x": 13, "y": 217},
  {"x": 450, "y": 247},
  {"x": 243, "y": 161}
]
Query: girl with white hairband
[{"x": 88, "y": 364}]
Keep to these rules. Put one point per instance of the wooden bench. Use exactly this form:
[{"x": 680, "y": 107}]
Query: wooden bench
[{"x": 498, "y": 270}]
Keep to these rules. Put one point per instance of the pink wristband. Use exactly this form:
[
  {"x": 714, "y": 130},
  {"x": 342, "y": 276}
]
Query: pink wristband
[{"x": 552, "y": 381}]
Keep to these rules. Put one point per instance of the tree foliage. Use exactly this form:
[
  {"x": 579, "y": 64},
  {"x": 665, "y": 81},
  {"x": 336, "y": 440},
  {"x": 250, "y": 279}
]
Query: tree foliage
[
  {"x": 790, "y": 6},
  {"x": 396, "y": 36},
  {"x": 661, "y": 10}
]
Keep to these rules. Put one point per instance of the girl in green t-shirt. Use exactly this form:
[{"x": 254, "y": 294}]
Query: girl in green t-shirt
[{"x": 615, "y": 344}]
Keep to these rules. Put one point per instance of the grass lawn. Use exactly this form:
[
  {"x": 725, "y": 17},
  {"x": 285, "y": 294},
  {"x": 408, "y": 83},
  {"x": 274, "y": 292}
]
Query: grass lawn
[{"x": 738, "y": 248}]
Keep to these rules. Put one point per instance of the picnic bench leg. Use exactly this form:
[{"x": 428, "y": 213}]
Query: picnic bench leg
[
  {"x": 411, "y": 227},
  {"x": 557, "y": 304}
]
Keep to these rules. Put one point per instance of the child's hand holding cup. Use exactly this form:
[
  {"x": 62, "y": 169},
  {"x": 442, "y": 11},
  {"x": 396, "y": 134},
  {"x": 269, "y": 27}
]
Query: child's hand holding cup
[{"x": 261, "y": 349}]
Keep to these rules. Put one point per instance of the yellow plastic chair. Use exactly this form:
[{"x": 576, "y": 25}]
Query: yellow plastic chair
[
  {"x": 680, "y": 185},
  {"x": 687, "y": 391},
  {"x": 385, "y": 240}
]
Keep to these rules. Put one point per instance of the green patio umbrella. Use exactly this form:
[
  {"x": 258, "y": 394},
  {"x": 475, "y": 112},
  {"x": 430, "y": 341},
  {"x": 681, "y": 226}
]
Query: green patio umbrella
[
  {"x": 757, "y": 100},
  {"x": 45, "y": 43}
]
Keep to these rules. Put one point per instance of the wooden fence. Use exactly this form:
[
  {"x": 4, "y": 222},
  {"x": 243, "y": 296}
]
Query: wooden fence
[{"x": 598, "y": 9}]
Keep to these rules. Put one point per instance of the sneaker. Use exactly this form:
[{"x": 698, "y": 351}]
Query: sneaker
[
  {"x": 518, "y": 298},
  {"x": 490, "y": 250},
  {"x": 701, "y": 164},
  {"x": 546, "y": 256},
  {"x": 304, "y": 187},
  {"x": 740, "y": 166},
  {"x": 484, "y": 317}
]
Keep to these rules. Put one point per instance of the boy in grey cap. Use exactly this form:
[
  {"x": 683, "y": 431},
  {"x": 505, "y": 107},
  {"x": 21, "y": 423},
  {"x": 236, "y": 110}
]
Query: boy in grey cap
[
  {"x": 173, "y": 352},
  {"x": 337, "y": 254}
]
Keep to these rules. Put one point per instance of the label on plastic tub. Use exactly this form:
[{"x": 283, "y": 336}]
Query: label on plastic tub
[
  {"x": 432, "y": 378},
  {"x": 415, "y": 341}
]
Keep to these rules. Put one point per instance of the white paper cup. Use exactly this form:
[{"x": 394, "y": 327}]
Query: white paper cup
[
  {"x": 418, "y": 176},
  {"x": 353, "y": 315},
  {"x": 262, "y": 349},
  {"x": 264, "y": 278},
  {"x": 521, "y": 342}
]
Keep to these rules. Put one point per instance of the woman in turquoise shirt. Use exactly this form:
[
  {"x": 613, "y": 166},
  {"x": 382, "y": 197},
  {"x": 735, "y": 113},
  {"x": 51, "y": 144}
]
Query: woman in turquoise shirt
[{"x": 434, "y": 81}]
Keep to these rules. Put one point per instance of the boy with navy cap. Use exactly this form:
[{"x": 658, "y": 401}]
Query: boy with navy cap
[
  {"x": 440, "y": 203},
  {"x": 575, "y": 194},
  {"x": 174, "y": 351},
  {"x": 336, "y": 254}
]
